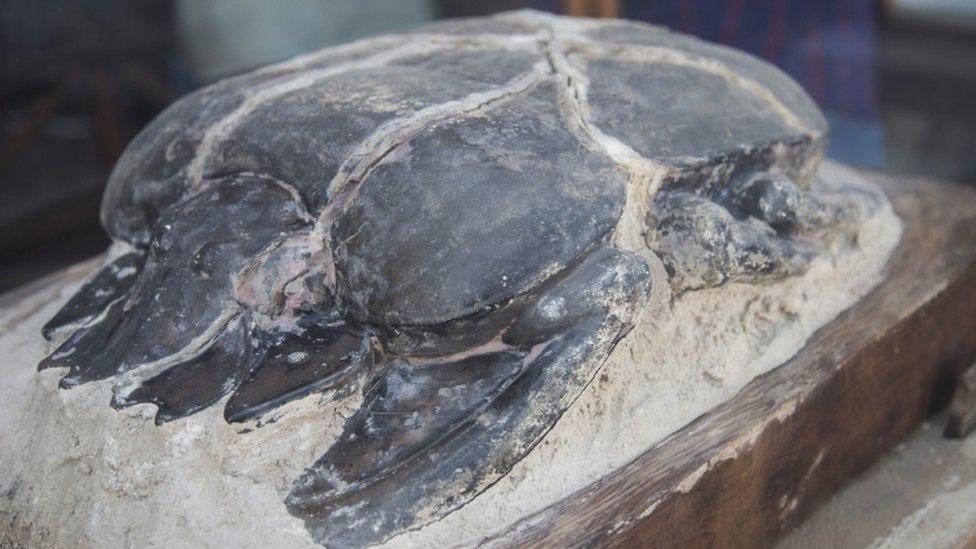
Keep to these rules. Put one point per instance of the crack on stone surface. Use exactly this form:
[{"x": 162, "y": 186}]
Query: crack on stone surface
[
  {"x": 196, "y": 171},
  {"x": 296, "y": 195},
  {"x": 394, "y": 134},
  {"x": 645, "y": 175}
]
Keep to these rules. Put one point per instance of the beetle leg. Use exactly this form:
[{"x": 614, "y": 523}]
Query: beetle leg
[
  {"x": 433, "y": 434},
  {"x": 192, "y": 385},
  {"x": 185, "y": 295},
  {"x": 327, "y": 356},
  {"x": 112, "y": 282}
]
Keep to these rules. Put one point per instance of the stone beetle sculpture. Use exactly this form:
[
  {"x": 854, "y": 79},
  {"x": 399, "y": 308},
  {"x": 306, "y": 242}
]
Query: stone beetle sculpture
[{"x": 453, "y": 221}]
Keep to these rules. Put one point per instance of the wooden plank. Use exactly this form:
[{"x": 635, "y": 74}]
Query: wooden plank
[
  {"x": 606, "y": 9},
  {"x": 748, "y": 471},
  {"x": 962, "y": 410},
  {"x": 919, "y": 495}
]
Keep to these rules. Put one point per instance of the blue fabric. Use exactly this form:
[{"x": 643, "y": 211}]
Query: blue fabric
[{"x": 856, "y": 140}]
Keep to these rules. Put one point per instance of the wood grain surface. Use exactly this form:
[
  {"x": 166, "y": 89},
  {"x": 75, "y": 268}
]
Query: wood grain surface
[{"x": 747, "y": 472}]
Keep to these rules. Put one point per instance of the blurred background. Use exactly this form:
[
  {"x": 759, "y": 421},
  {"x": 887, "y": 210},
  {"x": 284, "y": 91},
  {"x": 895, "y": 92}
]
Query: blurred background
[{"x": 78, "y": 79}]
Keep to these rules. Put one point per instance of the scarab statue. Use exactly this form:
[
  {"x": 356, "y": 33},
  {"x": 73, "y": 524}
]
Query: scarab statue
[{"x": 455, "y": 221}]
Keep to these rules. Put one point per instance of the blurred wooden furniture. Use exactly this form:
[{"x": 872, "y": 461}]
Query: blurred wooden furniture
[
  {"x": 78, "y": 79},
  {"x": 592, "y": 8}
]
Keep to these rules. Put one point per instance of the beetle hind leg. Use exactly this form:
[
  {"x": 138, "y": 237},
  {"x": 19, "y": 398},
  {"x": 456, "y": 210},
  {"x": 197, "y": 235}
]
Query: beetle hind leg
[
  {"x": 327, "y": 356},
  {"x": 433, "y": 433}
]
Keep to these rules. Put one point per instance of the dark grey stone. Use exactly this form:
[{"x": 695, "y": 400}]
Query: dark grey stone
[
  {"x": 186, "y": 284},
  {"x": 685, "y": 112},
  {"x": 500, "y": 203}
]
